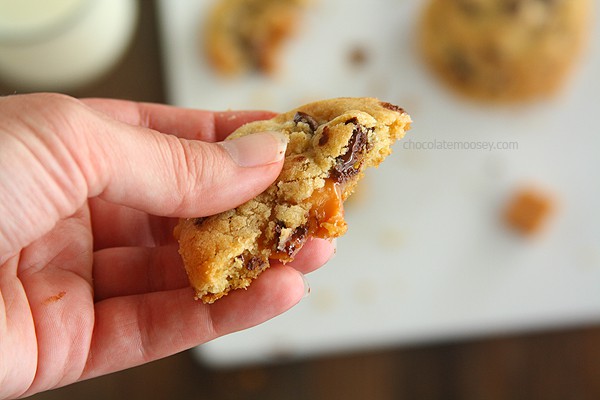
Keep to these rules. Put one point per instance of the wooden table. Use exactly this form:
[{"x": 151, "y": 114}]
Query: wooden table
[
  {"x": 543, "y": 365},
  {"x": 550, "y": 365}
]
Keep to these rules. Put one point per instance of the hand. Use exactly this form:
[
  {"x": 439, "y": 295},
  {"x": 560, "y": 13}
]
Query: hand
[{"x": 90, "y": 278}]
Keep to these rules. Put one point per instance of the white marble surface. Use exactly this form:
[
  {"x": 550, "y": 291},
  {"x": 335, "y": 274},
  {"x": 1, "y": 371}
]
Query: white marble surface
[{"x": 426, "y": 257}]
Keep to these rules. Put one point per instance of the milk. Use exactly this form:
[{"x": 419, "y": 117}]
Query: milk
[{"x": 62, "y": 44}]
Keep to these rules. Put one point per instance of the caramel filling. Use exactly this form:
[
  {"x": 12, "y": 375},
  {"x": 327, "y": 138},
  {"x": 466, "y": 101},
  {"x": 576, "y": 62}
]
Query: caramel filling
[
  {"x": 326, "y": 218},
  {"x": 325, "y": 221}
]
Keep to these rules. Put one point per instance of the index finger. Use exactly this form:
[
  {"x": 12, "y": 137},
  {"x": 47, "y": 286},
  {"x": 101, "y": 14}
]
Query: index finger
[{"x": 187, "y": 123}]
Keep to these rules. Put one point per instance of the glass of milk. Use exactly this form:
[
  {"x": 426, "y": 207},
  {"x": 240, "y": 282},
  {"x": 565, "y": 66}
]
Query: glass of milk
[{"x": 62, "y": 44}]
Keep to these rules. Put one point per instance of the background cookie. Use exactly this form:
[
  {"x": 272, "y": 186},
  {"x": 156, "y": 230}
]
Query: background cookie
[
  {"x": 245, "y": 35},
  {"x": 504, "y": 50}
]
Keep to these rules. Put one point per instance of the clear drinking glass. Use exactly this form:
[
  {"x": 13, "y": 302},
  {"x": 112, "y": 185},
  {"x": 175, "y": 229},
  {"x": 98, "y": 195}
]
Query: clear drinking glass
[{"x": 62, "y": 44}]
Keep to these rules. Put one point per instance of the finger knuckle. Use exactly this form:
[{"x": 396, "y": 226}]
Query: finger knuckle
[{"x": 196, "y": 165}]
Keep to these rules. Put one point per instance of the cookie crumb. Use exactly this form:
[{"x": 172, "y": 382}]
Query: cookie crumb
[
  {"x": 358, "y": 56},
  {"x": 391, "y": 238},
  {"x": 325, "y": 300},
  {"x": 528, "y": 210}
]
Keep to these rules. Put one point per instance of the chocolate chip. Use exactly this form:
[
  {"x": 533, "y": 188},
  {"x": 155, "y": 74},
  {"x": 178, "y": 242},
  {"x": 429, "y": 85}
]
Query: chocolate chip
[
  {"x": 299, "y": 158},
  {"x": 353, "y": 121},
  {"x": 347, "y": 164},
  {"x": 255, "y": 263},
  {"x": 491, "y": 54},
  {"x": 512, "y": 7},
  {"x": 324, "y": 136},
  {"x": 358, "y": 56},
  {"x": 460, "y": 66},
  {"x": 307, "y": 119},
  {"x": 199, "y": 221},
  {"x": 251, "y": 262},
  {"x": 469, "y": 8},
  {"x": 294, "y": 242},
  {"x": 392, "y": 107}
]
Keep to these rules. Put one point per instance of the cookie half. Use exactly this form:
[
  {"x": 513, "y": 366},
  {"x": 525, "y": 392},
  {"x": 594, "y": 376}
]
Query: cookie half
[{"x": 331, "y": 143}]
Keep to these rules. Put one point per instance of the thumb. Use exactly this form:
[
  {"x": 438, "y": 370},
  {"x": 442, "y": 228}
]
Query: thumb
[
  {"x": 169, "y": 176},
  {"x": 57, "y": 152}
]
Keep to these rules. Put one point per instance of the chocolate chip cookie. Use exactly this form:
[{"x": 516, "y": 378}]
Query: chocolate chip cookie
[
  {"x": 331, "y": 142},
  {"x": 243, "y": 35},
  {"x": 504, "y": 50}
]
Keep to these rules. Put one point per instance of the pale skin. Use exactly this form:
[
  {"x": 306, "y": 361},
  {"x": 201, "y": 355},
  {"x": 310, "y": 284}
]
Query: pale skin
[{"x": 90, "y": 278}]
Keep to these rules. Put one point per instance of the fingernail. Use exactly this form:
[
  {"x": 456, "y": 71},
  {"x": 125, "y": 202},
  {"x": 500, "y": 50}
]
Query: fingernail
[
  {"x": 306, "y": 285},
  {"x": 257, "y": 149},
  {"x": 334, "y": 253}
]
